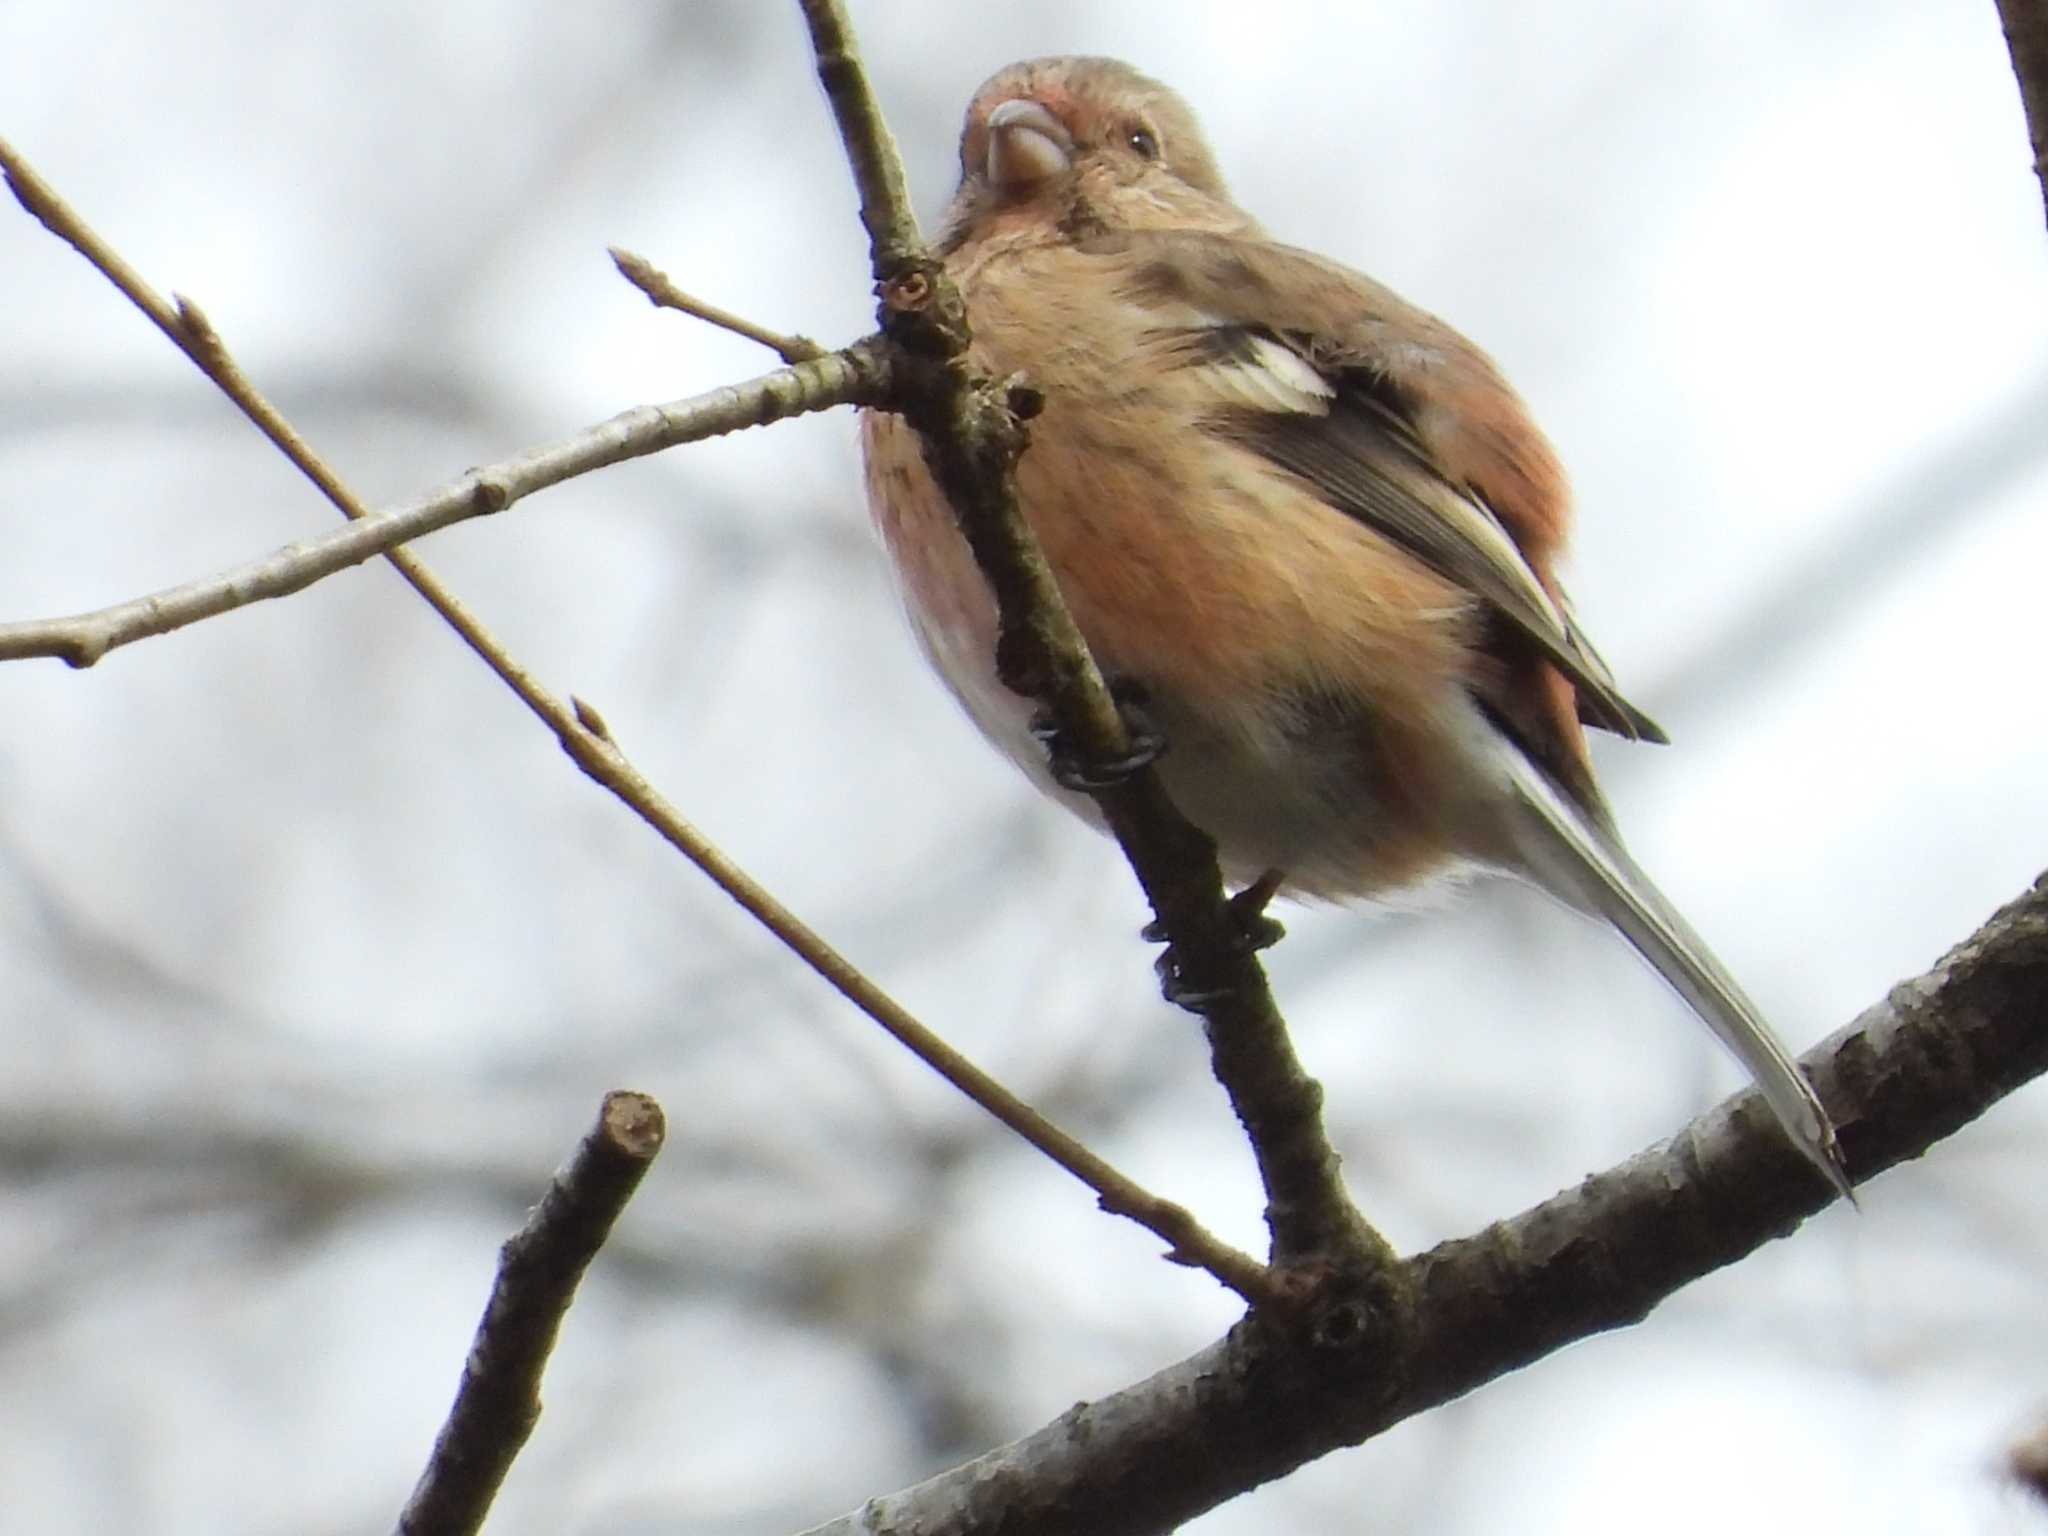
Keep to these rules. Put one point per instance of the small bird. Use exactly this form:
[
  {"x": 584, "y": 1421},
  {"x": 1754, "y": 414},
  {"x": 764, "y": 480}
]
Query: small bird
[{"x": 1310, "y": 526}]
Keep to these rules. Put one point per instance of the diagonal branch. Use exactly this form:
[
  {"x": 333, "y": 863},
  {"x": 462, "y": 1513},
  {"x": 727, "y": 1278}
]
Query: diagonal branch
[
  {"x": 894, "y": 245},
  {"x": 1934, "y": 1054},
  {"x": 973, "y": 430},
  {"x": 1188, "y": 1242},
  {"x": 862, "y": 369}
]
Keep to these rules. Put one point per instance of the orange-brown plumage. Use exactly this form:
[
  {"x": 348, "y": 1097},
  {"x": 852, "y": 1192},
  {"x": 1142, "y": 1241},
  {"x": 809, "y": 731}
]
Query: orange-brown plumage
[{"x": 1312, "y": 522}]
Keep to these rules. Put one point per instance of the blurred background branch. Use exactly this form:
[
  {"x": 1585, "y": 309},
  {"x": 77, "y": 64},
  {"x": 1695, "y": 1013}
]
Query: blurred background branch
[{"x": 301, "y": 909}]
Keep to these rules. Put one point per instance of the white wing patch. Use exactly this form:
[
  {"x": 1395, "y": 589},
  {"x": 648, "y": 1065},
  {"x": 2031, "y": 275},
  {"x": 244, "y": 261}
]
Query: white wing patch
[
  {"x": 1237, "y": 365},
  {"x": 1271, "y": 376}
]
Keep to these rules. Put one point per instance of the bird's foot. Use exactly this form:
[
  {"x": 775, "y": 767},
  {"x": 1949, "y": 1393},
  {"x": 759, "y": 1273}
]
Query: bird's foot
[
  {"x": 1256, "y": 931},
  {"x": 1070, "y": 770},
  {"x": 1249, "y": 905}
]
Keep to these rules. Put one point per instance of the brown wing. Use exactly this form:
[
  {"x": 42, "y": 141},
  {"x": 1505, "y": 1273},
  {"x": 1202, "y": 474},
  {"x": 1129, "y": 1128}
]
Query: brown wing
[{"x": 1398, "y": 421}]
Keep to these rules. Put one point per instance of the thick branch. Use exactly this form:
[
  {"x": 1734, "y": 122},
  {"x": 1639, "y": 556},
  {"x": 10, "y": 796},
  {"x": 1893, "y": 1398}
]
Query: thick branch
[
  {"x": 498, "y": 1402},
  {"x": 1933, "y": 1055}
]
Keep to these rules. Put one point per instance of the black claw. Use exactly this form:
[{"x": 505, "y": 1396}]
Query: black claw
[
  {"x": 1174, "y": 987},
  {"x": 1085, "y": 776},
  {"x": 1256, "y": 931},
  {"x": 1248, "y": 906}
]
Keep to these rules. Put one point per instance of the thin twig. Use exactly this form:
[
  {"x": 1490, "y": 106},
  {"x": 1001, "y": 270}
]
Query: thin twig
[
  {"x": 583, "y": 735},
  {"x": 894, "y": 245},
  {"x": 189, "y": 329},
  {"x": 1188, "y": 1242},
  {"x": 539, "y": 1268},
  {"x": 854, "y": 375},
  {"x": 662, "y": 292}
]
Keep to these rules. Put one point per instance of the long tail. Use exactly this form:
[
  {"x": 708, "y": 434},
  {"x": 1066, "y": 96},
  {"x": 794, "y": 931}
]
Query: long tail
[{"x": 1577, "y": 859}]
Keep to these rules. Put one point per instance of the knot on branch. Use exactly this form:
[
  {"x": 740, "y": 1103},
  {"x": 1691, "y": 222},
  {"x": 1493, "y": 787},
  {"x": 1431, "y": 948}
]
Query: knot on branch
[
  {"x": 906, "y": 294},
  {"x": 921, "y": 309},
  {"x": 1356, "y": 1318}
]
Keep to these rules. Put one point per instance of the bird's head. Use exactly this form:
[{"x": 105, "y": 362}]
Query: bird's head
[{"x": 1083, "y": 144}]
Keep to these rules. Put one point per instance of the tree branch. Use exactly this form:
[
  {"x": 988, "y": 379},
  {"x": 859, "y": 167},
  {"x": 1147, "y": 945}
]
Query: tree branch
[
  {"x": 855, "y": 375},
  {"x": 1188, "y": 1242},
  {"x": 539, "y": 1268},
  {"x": 894, "y": 245},
  {"x": 862, "y": 371},
  {"x": 1316, "y": 1365},
  {"x": 662, "y": 292},
  {"x": 972, "y": 429},
  {"x": 1261, "y": 1401}
]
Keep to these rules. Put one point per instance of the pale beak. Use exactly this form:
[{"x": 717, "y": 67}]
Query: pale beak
[{"x": 1026, "y": 145}]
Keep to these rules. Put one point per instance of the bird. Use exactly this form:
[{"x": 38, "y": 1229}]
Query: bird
[{"x": 1306, "y": 527}]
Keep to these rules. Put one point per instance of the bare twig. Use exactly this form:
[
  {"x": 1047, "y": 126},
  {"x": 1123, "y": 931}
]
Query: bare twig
[
  {"x": 1188, "y": 1242},
  {"x": 662, "y": 292},
  {"x": 539, "y": 1268},
  {"x": 972, "y": 431},
  {"x": 197, "y": 339},
  {"x": 82, "y": 639},
  {"x": 584, "y": 736},
  {"x": 894, "y": 245}
]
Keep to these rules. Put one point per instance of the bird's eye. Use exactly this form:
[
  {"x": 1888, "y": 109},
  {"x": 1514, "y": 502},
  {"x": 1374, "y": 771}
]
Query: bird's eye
[{"x": 1143, "y": 140}]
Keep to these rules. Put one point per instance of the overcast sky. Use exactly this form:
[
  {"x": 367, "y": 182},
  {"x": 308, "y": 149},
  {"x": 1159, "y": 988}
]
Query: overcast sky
[{"x": 318, "y": 954}]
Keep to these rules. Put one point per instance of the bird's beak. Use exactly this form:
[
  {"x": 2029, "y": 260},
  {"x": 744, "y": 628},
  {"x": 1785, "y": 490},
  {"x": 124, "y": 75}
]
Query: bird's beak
[{"x": 1026, "y": 145}]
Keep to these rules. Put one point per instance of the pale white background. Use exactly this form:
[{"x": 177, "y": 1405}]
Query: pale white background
[{"x": 317, "y": 954}]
